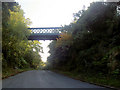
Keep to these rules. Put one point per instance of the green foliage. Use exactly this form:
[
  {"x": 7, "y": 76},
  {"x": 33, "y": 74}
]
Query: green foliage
[
  {"x": 17, "y": 51},
  {"x": 93, "y": 46}
]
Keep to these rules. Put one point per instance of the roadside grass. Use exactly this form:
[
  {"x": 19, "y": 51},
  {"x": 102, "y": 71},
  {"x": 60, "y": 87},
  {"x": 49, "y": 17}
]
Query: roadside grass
[
  {"x": 11, "y": 72},
  {"x": 101, "y": 80}
]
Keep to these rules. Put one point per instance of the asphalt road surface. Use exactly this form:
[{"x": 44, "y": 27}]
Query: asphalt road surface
[{"x": 43, "y": 79}]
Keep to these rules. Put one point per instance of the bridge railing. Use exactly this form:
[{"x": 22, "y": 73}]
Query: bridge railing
[
  {"x": 47, "y": 33},
  {"x": 48, "y": 30}
]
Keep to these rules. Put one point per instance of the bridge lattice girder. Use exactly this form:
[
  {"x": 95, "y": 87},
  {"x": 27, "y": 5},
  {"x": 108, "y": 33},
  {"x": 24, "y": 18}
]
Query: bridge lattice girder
[{"x": 47, "y": 33}]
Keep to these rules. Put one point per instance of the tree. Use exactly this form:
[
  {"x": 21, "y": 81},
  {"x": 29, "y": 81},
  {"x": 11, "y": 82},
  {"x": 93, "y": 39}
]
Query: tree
[
  {"x": 17, "y": 51},
  {"x": 87, "y": 44}
]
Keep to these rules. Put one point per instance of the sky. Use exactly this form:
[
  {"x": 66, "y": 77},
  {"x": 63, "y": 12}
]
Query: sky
[{"x": 51, "y": 13}]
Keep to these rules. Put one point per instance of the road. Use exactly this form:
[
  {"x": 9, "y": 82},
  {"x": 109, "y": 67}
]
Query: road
[{"x": 44, "y": 79}]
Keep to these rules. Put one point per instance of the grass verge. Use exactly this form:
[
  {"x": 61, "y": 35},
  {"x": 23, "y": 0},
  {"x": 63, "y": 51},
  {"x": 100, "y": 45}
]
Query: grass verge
[
  {"x": 93, "y": 79},
  {"x": 11, "y": 72}
]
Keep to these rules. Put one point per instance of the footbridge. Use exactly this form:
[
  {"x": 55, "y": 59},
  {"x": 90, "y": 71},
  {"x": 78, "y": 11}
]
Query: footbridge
[{"x": 45, "y": 33}]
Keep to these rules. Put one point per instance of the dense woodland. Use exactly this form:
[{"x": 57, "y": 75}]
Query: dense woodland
[
  {"x": 17, "y": 51},
  {"x": 91, "y": 43}
]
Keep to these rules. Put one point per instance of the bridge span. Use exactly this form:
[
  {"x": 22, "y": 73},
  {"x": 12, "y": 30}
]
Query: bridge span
[{"x": 45, "y": 33}]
